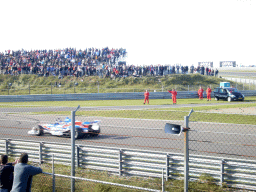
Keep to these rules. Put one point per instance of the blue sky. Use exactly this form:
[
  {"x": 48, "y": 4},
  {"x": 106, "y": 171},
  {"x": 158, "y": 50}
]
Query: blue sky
[{"x": 153, "y": 32}]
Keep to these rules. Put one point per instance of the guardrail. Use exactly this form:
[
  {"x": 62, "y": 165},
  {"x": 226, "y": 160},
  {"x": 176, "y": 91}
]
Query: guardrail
[
  {"x": 237, "y": 173},
  {"x": 104, "y": 96}
]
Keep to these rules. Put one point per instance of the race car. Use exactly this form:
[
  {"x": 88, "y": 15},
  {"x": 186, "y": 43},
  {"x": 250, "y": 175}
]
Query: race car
[{"x": 63, "y": 128}]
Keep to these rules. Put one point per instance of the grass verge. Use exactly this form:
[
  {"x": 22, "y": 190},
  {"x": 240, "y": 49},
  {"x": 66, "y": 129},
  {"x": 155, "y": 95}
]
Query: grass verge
[
  {"x": 165, "y": 115},
  {"x": 43, "y": 183},
  {"x": 115, "y": 103}
]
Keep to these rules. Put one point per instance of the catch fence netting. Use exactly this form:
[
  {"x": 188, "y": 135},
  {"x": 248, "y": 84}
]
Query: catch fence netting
[{"x": 133, "y": 149}]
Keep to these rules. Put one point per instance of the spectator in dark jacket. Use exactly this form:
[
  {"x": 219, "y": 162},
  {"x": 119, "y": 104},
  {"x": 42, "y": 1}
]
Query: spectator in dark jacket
[
  {"x": 6, "y": 174},
  {"x": 23, "y": 174}
]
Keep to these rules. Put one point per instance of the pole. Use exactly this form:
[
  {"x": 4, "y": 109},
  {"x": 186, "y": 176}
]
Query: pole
[
  {"x": 53, "y": 174},
  {"x": 186, "y": 154},
  {"x": 73, "y": 150},
  {"x": 163, "y": 180},
  {"x": 73, "y": 147}
]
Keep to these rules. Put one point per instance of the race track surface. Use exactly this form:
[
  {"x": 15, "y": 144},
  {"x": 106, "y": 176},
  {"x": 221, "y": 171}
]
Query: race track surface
[{"x": 211, "y": 139}]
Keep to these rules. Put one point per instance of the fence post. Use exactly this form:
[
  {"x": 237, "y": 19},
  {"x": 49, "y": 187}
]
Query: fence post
[
  {"x": 188, "y": 87},
  {"x": 167, "y": 166},
  {"x": 73, "y": 146},
  {"x": 162, "y": 180},
  {"x": 51, "y": 88},
  {"x": 120, "y": 162},
  {"x": 222, "y": 168},
  {"x": 53, "y": 174},
  {"x": 6, "y": 146},
  {"x": 29, "y": 88},
  {"x": 186, "y": 155},
  {"x": 73, "y": 150},
  {"x": 77, "y": 156},
  {"x": 40, "y": 152}
]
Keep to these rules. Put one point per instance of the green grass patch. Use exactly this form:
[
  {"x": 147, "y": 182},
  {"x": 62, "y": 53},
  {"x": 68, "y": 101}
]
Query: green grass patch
[
  {"x": 94, "y": 103},
  {"x": 43, "y": 183},
  {"x": 165, "y": 115},
  {"x": 32, "y": 84},
  {"x": 208, "y": 108}
]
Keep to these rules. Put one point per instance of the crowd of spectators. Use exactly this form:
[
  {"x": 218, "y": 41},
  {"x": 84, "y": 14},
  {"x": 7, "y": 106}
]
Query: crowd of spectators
[{"x": 88, "y": 62}]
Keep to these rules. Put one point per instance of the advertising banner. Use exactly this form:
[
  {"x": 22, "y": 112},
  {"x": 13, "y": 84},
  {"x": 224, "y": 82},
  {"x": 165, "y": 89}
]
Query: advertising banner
[
  {"x": 206, "y": 64},
  {"x": 227, "y": 64}
]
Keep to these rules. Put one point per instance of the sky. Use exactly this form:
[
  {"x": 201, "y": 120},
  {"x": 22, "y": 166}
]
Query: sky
[{"x": 152, "y": 31}]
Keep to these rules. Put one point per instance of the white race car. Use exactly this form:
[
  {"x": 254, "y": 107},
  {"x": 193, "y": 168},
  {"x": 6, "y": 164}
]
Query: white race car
[{"x": 63, "y": 128}]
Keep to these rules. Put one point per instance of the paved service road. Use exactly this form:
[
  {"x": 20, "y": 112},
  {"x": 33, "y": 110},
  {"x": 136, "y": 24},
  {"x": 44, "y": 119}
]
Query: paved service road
[
  {"x": 238, "y": 74},
  {"x": 211, "y": 139}
]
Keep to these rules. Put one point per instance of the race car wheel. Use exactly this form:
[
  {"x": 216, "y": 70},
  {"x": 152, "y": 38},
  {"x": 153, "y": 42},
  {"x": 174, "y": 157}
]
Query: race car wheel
[
  {"x": 38, "y": 130},
  {"x": 229, "y": 99},
  {"x": 216, "y": 98},
  {"x": 77, "y": 134},
  {"x": 94, "y": 134}
]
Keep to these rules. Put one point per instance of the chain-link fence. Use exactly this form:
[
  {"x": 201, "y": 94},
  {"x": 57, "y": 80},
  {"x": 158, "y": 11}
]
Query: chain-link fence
[{"x": 130, "y": 150}]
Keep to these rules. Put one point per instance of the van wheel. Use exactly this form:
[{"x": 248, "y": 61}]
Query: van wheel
[
  {"x": 216, "y": 98},
  {"x": 229, "y": 99}
]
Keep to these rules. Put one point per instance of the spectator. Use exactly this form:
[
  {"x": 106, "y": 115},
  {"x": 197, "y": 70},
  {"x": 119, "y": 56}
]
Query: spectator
[
  {"x": 6, "y": 174},
  {"x": 216, "y": 72},
  {"x": 23, "y": 174},
  {"x": 91, "y": 61}
]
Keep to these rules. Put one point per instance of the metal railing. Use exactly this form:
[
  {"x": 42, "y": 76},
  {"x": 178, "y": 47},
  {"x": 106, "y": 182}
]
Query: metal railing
[
  {"x": 104, "y": 96},
  {"x": 237, "y": 173}
]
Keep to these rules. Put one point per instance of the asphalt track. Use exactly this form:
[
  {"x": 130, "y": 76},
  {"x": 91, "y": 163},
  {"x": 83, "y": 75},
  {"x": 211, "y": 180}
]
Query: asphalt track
[{"x": 211, "y": 139}]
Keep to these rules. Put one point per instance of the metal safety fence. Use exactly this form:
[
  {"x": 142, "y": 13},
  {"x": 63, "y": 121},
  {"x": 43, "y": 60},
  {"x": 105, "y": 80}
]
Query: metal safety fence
[
  {"x": 241, "y": 84},
  {"x": 212, "y": 150}
]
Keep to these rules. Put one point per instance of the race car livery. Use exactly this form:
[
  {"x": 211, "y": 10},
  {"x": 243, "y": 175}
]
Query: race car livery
[{"x": 63, "y": 128}]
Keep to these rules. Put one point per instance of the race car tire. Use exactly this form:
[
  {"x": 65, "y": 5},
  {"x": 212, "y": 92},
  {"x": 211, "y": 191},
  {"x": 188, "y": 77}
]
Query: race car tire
[
  {"x": 94, "y": 134},
  {"x": 78, "y": 134},
  {"x": 216, "y": 98},
  {"x": 39, "y": 130}
]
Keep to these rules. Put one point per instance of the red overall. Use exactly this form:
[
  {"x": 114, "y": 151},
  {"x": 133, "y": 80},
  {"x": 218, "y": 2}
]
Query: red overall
[
  {"x": 208, "y": 91},
  {"x": 146, "y": 94},
  {"x": 200, "y": 93},
  {"x": 174, "y": 94}
]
